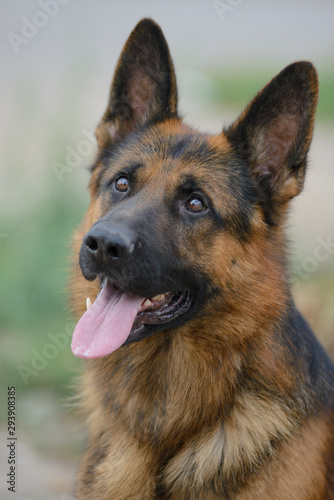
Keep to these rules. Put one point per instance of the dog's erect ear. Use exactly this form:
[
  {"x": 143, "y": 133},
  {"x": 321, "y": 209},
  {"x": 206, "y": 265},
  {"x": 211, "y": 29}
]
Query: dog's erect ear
[
  {"x": 274, "y": 132},
  {"x": 144, "y": 85}
]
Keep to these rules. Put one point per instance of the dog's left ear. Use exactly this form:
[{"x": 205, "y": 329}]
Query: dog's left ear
[
  {"x": 143, "y": 87},
  {"x": 274, "y": 133}
]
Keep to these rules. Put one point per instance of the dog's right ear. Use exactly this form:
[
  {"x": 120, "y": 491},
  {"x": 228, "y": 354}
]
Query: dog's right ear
[{"x": 144, "y": 85}]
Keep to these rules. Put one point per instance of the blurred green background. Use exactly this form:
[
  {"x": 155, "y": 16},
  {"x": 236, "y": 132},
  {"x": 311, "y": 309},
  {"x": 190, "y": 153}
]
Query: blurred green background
[{"x": 54, "y": 89}]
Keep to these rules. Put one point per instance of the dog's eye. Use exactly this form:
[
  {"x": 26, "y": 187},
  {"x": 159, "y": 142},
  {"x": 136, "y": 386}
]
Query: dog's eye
[
  {"x": 122, "y": 184},
  {"x": 195, "y": 205}
]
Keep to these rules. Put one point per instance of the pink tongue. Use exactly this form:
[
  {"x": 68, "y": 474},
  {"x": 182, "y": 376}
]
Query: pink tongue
[{"x": 106, "y": 325}]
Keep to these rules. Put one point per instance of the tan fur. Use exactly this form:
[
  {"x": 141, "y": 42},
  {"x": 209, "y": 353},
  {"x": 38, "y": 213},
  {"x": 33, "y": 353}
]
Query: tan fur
[{"x": 300, "y": 474}]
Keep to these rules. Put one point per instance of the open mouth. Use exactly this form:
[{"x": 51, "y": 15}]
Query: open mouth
[
  {"x": 161, "y": 309},
  {"x": 116, "y": 318}
]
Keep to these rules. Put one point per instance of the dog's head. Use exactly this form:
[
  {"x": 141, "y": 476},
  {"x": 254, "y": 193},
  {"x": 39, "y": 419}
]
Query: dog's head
[{"x": 180, "y": 222}]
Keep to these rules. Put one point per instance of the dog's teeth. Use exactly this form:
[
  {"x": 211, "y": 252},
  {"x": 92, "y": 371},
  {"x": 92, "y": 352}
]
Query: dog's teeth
[
  {"x": 149, "y": 302},
  {"x": 88, "y": 303},
  {"x": 159, "y": 297}
]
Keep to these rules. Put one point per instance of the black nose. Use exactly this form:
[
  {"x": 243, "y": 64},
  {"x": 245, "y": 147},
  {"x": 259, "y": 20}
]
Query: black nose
[{"x": 108, "y": 245}]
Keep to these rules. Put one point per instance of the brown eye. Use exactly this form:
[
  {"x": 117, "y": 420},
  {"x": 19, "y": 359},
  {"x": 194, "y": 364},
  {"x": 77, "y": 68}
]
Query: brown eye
[
  {"x": 195, "y": 205},
  {"x": 122, "y": 184}
]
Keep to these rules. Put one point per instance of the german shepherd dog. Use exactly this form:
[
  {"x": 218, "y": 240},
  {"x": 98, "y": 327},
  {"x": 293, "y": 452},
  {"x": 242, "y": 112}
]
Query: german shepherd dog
[{"x": 203, "y": 381}]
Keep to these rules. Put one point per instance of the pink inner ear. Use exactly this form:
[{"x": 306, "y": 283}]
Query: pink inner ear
[
  {"x": 140, "y": 89},
  {"x": 273, "y": 146}
]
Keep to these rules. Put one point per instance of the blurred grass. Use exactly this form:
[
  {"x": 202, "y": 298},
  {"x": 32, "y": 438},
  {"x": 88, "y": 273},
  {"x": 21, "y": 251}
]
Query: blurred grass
[
  {"x": 34, "y": 262},
  {"x": 235, "y": 89}
]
